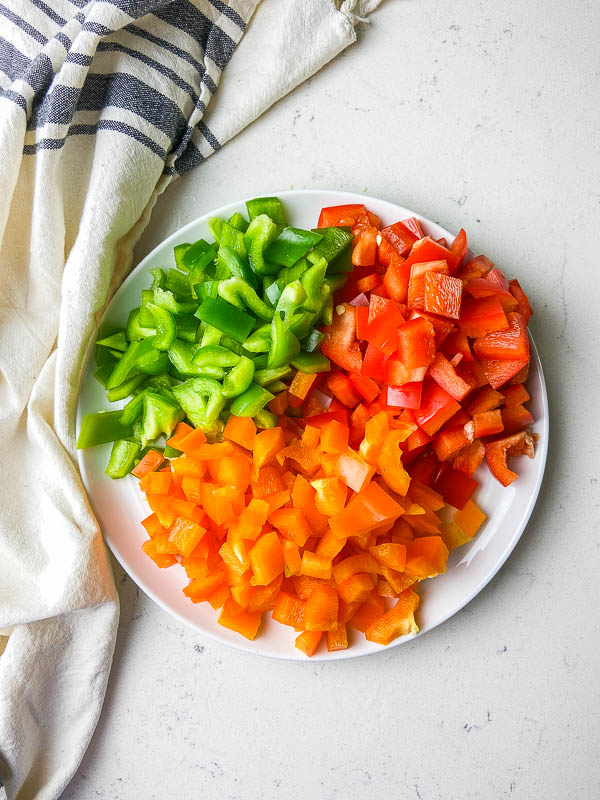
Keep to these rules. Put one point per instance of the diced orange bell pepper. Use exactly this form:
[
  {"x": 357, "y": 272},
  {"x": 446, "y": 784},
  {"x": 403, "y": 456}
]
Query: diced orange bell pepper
[
  {"x": 186, "y": 466},
  {"x": 267, "y": 444},
  {"x": 390, "y": 554},
  {"x": 331, "y": 495},
  {"x": 199, "y": 589},
  {"x": 303, "y": 497},
  {"x": 487, "y": 423},
  {"x": 240, "y": 430},
  {"x": 426, "y": 556},
  {"x": 321, "y": 609},
  {"x": 151, "y": 461},
  {"x": 337, "y": 639},
  {"x": 234, "y": 471},
  {"x": 314, "y": 565},
  {"x": 238, "y": 619},
  {"x": 308, "y": 642},
  {"x": 291, "y": 558},
  {"x": 266, "y": 559},
  {"x": 268, "y": 480},
  {"x": 330, "y": 544},
  {"x": 354, "y": 470},
  {"x": 362, "y": 562},
  {"x": 372, "y": 608},
  {"x": 185, "y": 535},
  {"x": 306, "y": 457},
  {"x": 181, "y": 431},
  {"x": 341, "y": 387},
  {"x": 372, "y": 508},
  {"x": 263, "y": 598},
  {"x": 163, "y": 545},
  {"x": 279, "y": 404},
  {"x": 292, "y": 524},
  {"x": 302, "y": 384},
  {"x": 334, "y": 437},
  {"x": 236, "y": 567},
  {"x": 496, "y": 454},
  {"x": 216, "y": 504},
  {"x": 468, "y": 459},
  {"x": 376, "y": 430},
  {"x": 311, "y": 436},
  {"x": 356, "y": 588},
  {"x": 389, "y": 462},
  {"x": 190, "y": 443},
  {"x": 289, "y": 610},
  {"x": 398, "y": 621}
]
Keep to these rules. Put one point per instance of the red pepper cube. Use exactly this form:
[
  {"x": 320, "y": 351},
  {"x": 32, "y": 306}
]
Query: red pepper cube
[
  {"x": 400, "y": 237},
  {"x": 416, "y": 284},
  {"x": 382, "y": 331},
  {"x": 437, "y": 407},
  {"x": 396, "y": 279},
  {"x": 406, "y": 396},
  {"x": 362, "y": 321},
  {"x": 374, "y": 363},
  {"x": 427, "y": 249},
  {"x": 479, "y": 317},
  {"x": 416, "y": 349},
  {"x": 444, "y": 374},
  {"x": 511, "y": 344},
  {"x": 443, "y": 294},
  {"x": 456, "y": 487}
]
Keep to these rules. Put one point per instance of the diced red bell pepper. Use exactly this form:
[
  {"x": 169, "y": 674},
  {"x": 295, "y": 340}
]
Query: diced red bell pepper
[
  {"x": 520, "y": 376},
  {"x": 377, "y": 306},
  {"x": 374, "y": 363},
  {"x": 496, "y": 276},
  {"x": 486, "y": 423},
  {"x": 486, "y": 400},
  {"x": 427, "y": 249},
  {"x": 399, "y": 237},
  {"x": 362, "y": 321},
  {"x": 364, "y": 386},
  {"x": 470, "y": 458},
  {"x": 523, "y": 306},
  {"x": 437, "y": 406},
  {"x": 443, "y": 294},
  {"x": 416, "y": 349},
  {"x": 447, "y": 443},
  {"x": 340, "y": 386},
  {"x": 358, "y": 421},
  {"x": 477, "y": 267},
  {"x": 396, "y": 278},
  {"x": 458, "y": 342},
  {"x": 516, "y": 418},
  {"x": 426, "y": 468},
  {"x": 481, "y": 316},
  {"x": 444, "y": 374},
  {"x": 511, "y": 344},
  {"x": 350, "y": 289},
  {"x": 459, "y": 247},
  {"x": 514, "y": 395},
  {"x": 413, "y": 225},
  {"x": 370, "y": 282},
  {"x": 320, "y": 420},
  {"x": 442, "y": 327},
  {"x": 382, "y": 330},
  {"x": 484, "y": 287},
  {"x": 473, "y": 373},
  {"x": 339, "y": 216},
  {"x": 384, "y": 252},
  {"x": 497, "y": 452},
  {"x": 416, "y": 283},
  {"x": 406, "y": 396},
  {"x": 364, "y": 251},
  {"x": 456, "y": 487},
  {"x": 340, "y": 343}
]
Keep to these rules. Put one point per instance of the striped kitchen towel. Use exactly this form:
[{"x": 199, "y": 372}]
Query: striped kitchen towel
[{"x": 102, "y": 104}]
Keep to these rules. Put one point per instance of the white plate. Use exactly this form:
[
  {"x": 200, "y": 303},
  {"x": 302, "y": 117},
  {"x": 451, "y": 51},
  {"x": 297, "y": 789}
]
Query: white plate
[{"x": 119, "y": 507}]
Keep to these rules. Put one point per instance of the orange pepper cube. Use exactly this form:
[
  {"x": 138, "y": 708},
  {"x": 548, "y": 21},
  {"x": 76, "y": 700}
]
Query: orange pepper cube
[
  {"x": 331, "y": 495},
  {"x": 334, "y": 437},
  {"x": 354, "y": 470},
  {"x": 266, "y": 559},
  {"x": 292, "y": 524},
  {"x": 185, "y": 535},
  {"x": 267, "y": 444},
  {"x": 238, "y": 619},
  {"x": 240, "y": 430},
  {"x": 321, "y": 609},
  {"x": 398, "y": 621},
  {"x": 315, "y": 566}
]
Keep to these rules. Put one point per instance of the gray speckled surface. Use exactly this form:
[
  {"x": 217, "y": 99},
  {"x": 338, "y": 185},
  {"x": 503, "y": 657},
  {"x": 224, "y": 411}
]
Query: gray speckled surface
[{"x": 479, "y": 114}]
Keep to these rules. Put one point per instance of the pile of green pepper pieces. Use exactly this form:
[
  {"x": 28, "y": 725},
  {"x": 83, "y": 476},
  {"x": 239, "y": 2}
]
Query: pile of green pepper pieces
[{"x": 221, "y": 333}]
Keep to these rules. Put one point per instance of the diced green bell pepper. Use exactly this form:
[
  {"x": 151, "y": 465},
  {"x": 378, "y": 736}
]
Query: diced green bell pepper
[
  {"x": 259, "y": 341},
  {"x": 159, "y": 416},
  {"x": 261, "y": 232},
  {"x": 238, "y": 221},
  {"x": 265, "y": 419},
  {"x": 215, "y": 356},
  {"x": 291, "y": 245},
  {"x": 238, "y": 266},
  {"x": 227, "y": 318},
  {"x": 166, "y": 299},
  {"x": 239, "y": 377},
  {"x": 126, "y": 388},
  {"x": 117, "y": 341},
  {"x": 201, "y": 399},
  {"x": 312, "y": 283},
  {"x": 284, "y": 344},
  {"x": 292, "y": 297},
  {"x": 271, "y": 206},
  {"x": 231, "y": 344},
  {"x": 159, "y": 278},
  {"x": 206, "y": 289},
  {"x": 264, "y": 377},
  {"x": 334, "y": 241},
  {"x": 277, "y": 386},
  {"x": 311, "y": 362},
  {"x": 122, "y": 458},
  {"x": 166, "y": 327},
  {"x": 102, "y": 374},
  {"x": 181, "y": 355},
  {"x": 211, "y": 336},
  {"x": 273, "y": 292},
  {"x": 133, "y": 409},
  {"x": 251, "y": 401},
  {"x": 154, "y": 363},
  {"x": 313, "y": 341},
  {"x": 302, "y": 324},
  {"x": 197, "y": 257},
  {"x": 101, "y": 428},
  {"x": 237, "y": 292},
  {"x": 126, "y": 364},
  {"x": 214, "y": 226},
  {"x": 178, "y": 252},
  {"x": 186, "y": 327},
  {"x": 136, "y": 331}
]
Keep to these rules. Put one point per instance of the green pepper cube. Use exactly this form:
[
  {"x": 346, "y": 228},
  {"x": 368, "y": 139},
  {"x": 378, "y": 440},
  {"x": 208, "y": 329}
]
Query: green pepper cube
[
  {"x": 227, "y": 318},
  {"x": 291, "y": 245},
  {"x": 122, "y": 458},
  {"x": 159, "y": 416},
  {"x": 101, "y": 428},
  {"x": 198, "y": 256},
  {"x": 251, "y": 401},
  {"x": 311, "y": 362},
  {"x": 271, "y": 206}
]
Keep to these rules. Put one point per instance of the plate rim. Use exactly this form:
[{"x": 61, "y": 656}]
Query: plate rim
[{"x": 541, "y": 451}]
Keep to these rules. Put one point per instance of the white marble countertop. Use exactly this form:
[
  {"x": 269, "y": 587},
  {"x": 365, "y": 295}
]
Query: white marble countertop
[{"x": 477, "y": 114}]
